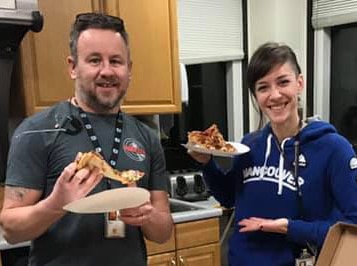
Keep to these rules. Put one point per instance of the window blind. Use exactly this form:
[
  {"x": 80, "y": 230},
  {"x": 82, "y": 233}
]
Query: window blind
[
  {"x": 210, "y": 30},
  {"x": 328, "y": 13}
]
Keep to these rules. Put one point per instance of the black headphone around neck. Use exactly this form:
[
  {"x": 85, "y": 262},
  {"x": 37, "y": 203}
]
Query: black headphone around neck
[{"x": 70, "y": 125}]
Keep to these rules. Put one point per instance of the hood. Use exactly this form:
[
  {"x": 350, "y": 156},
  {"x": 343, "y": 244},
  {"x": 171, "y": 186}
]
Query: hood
[{"x": 312, "y": 131}]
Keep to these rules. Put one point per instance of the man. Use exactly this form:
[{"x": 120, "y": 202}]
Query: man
[{"x": 42, "y": 175}]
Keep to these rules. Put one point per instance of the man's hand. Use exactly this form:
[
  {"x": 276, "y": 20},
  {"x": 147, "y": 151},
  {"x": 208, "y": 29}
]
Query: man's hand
[
  {"x": 137, "y": 216},
  {"x": 72, "y": 185},
  {"x": 266, "y": 225}
]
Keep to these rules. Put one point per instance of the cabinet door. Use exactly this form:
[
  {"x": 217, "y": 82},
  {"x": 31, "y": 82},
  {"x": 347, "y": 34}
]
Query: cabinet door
[
  {"x": 197, "y": 233},
  {"x": 165, "y": 259},
  {"x": 207, "y": 255},
  {"x": 152, "y": 29},
  {"x": 45, "y": 80},
  {"x": 153, "y": 40}
]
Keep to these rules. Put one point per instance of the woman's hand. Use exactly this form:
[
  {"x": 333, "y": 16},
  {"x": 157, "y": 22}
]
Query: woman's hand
[
  {"x": 202, "y": 158},
  {"x": 266, "y": 225}
]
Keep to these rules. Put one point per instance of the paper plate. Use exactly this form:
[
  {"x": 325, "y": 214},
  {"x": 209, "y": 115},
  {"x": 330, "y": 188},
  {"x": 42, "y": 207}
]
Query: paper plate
[
  {"x": 110, "y": 200},
  {"x": 240, "y": 149}
]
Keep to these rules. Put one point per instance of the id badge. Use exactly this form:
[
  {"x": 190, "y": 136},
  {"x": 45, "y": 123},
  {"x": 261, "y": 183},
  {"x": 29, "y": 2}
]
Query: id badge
[
  {"x": 305, "y": 259},
  {"x": 113, "y": 226}
]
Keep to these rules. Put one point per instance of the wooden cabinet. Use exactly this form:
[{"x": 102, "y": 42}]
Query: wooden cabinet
[
  {"x": 195, "y": 244},
  {"x": 205, "y": 255},
  {"x": 165, "y": 259},
  {"x": 152, "y": 29}
]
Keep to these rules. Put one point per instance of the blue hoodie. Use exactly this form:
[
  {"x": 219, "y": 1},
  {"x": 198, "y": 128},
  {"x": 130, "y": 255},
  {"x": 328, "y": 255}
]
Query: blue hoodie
[{"x": 261, "y": 184}]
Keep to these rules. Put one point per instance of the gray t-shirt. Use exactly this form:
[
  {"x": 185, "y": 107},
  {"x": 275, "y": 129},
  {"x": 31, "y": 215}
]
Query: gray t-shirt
[{"x": 37, "y": 158}]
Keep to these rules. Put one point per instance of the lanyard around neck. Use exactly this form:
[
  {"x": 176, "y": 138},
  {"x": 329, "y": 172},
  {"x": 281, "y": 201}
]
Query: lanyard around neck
[{"x": 94, "y": 139}]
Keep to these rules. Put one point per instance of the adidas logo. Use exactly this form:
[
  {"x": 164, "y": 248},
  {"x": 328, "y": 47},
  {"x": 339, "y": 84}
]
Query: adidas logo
[
  {"x": 302, "y": 160},
  {"x": 353, "y": 163}
]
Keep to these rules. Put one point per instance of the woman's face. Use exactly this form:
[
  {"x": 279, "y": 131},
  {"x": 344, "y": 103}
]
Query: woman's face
[{"x": 277, "y": 95}]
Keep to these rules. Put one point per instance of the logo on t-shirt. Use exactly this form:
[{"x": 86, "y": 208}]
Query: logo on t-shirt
[{"x": 134, "y": 149}]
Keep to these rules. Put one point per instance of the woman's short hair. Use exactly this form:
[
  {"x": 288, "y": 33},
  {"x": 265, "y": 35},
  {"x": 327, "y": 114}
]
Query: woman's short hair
[{"x": 265, "y": 58}]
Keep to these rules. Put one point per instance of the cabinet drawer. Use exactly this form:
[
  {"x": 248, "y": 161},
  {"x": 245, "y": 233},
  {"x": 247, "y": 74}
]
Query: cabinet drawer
[{"x": 197, "y": 233}]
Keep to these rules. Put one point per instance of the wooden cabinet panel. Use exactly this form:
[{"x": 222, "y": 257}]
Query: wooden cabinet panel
[
  {"x": 155, "y": 248},
  {"x": 208, "y": 255},
  {"x": 197, "y": 233},
  {"x": 166, "y": 259},
  {"x": 152, "y": 29},
  {"x": 153, "y": 41},
  {"x": 196, "y": 244},
  {"x": 43, "y": 55}
]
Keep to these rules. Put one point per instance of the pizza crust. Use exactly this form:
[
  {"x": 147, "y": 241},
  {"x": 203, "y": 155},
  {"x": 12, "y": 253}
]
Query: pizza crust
[{"x": 93, "y": 160}]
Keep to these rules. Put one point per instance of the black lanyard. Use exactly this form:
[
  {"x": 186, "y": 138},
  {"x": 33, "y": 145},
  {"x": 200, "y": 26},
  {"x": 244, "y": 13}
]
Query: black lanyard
[
  {"x": 296, "y": 176},
  {"x": 94, "y": 139}
]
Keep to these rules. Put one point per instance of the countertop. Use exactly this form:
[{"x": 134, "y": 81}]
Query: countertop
[
  {"x": 5, "y": 245},
  {"x": 205, "y": 209},
  {"x": 200, "y": 210}
]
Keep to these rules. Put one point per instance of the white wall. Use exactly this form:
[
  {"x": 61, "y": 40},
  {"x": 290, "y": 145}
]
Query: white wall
[{"x": 280, "y": 21}]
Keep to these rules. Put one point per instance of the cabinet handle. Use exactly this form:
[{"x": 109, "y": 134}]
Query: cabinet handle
[
  {"x": 173, "y": 261},
  {"x": 182, "y": 262}
]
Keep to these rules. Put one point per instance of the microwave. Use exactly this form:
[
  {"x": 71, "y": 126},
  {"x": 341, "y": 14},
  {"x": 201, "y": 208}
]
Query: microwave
[{"x": 21, "y": 12}]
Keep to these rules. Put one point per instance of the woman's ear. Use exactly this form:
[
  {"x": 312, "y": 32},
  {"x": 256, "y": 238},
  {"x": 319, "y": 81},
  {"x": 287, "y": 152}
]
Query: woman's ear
[
  {"x": 72, "y": 67},
  {"x": 300, "y": 83}
]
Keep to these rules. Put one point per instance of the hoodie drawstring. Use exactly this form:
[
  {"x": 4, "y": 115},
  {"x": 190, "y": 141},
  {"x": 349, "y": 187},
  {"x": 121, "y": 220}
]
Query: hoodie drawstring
[
  {"x": 281, "y": 167},
  {"x": 267, "y": 153},
  {"x": 281, "y": 162}
]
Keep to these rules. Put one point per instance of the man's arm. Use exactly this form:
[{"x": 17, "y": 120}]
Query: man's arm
[
  {"x": 154, "y": 217},
  {"x": 25, "y": 217},
  {"x": 159, "y": 224}
]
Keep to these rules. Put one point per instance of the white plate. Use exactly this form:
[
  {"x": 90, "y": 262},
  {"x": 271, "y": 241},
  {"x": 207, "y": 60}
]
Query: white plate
[
  {"x": 240, "y": 149},
  {"x": 110, "y": 200}
]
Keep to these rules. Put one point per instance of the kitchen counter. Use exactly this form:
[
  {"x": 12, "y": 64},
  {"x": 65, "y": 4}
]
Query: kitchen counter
[
  {"x": 5, "y": 245},
  {"x": 195, "y": 211},
  {"x": 184, "y": 212}
]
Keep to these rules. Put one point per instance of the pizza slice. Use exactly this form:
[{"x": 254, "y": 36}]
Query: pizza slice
[
  {"x": 211, "y": 139},
  {"x": 95, "y": 160}
]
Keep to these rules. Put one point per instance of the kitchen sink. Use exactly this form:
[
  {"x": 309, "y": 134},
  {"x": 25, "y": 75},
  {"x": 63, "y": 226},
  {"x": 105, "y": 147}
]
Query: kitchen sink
[
  {"x": 183, "y": 206},
  {"x": 184, "y": 211}
]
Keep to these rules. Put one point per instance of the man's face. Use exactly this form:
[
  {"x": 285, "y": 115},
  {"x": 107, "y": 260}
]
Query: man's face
[{"x": 102, "y": 71}]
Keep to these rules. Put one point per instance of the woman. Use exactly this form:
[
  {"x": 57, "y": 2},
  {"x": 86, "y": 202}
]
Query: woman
[{"x": 276, "y": 218}]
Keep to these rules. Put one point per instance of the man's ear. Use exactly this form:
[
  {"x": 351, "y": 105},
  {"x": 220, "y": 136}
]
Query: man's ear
[
  {"x": 130, "y": 65},
  {"x": 72, "y": 67}
]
